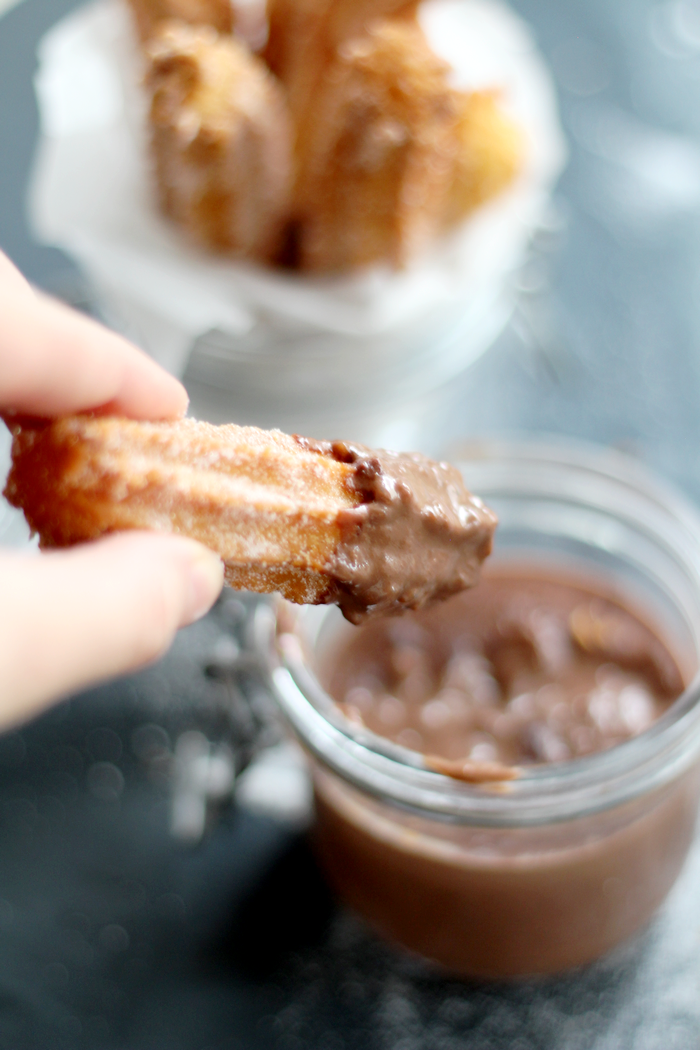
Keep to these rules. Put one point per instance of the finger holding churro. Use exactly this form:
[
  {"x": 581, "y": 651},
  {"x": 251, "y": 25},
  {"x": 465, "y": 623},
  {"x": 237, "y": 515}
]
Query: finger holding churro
[
  {"x": 74, "y": 617},
  {"x": 372, "y": 531},
  {"x": 221, "y": 140}
]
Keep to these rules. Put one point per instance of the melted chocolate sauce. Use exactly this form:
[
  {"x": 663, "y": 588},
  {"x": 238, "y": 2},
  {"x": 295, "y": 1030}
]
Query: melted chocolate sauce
[
  {"x": 417, "y": 537},
  {"x": 523, "y": 669}
]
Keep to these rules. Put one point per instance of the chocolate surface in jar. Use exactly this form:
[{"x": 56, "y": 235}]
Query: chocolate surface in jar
[{"x": 528, "y": 668}]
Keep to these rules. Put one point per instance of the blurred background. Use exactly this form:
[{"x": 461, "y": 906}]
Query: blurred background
[{"x": 116, "y": 933}]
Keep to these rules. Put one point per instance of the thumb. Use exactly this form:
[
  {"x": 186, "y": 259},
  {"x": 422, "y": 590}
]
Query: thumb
[{"x": 71, "y": 618}]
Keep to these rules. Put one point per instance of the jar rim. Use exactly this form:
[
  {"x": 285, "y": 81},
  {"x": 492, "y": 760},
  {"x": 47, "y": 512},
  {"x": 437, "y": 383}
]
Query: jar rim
[{"x": 540, "y": 794}]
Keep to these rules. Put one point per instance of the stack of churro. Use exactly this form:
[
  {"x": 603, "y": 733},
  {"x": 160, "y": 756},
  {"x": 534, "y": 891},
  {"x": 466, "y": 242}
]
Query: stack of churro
[
  {"x": 341, "y": 145},
  {"x": 319, "y": 522}
]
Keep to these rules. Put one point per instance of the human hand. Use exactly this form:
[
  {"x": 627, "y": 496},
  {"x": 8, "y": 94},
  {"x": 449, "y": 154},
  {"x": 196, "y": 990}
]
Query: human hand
[{"x": 71, "y": 618}]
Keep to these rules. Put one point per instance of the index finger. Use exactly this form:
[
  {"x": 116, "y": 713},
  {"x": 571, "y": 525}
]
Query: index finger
[{"x": 54, "y": 361}]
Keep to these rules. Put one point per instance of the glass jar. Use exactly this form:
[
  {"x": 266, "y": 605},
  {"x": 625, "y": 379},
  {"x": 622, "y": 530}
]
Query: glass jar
[{"x": 551, "y": 870}]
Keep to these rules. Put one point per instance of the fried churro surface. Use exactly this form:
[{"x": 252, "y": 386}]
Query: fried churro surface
[
  {"x": 319, "y": 522},
  {"x": 304, "y": 36},
  {"x": 488, "y": 157},
  {"x": 221, "y": 140},
  {"x": 377, "y": 161},
  {"x": 148, "y": 14}
]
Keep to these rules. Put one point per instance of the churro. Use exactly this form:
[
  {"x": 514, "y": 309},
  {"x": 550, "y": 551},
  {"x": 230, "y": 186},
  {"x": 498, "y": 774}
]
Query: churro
[
  {"x": 349, "y": 147},
  {"x": 304, "y": 35},
  {"x": 377, "y": 161},
  {"x": 489, "y": 154},
  {"x": 319, "y": 522},
  {"x": 148, "y": 14},
  {"x": 221, "y": 140}
]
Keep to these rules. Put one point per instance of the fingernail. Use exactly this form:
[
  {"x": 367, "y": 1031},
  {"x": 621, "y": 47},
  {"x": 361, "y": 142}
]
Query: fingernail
[{"x": 206, "y": 577}]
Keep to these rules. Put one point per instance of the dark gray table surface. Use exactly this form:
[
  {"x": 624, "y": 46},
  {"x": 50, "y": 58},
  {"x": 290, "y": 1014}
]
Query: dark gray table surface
[{"x": 112, "y": 935}]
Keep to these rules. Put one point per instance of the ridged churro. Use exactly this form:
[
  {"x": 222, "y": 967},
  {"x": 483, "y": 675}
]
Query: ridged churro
[
  {"x": 304, "y": 36},
  {"x": 319, "y": 522},
  {"x": 377, "y": 161},
  {"x": 221, "y": 140},
  {"x": 349, "y": 147}
]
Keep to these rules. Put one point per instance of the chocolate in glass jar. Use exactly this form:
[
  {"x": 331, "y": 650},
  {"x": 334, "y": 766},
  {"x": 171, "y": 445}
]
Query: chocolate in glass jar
[
  {"x": 522, "y": 669},
  {"x": 568, "y": 685}
]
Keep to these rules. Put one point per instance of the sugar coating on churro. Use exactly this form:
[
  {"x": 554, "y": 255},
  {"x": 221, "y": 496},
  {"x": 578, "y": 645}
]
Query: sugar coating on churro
[
  {"x": 148, "y": 14},
  {"x": 221, "y": 140},
  {"x": 304, "y": 35},
  {"x": 372, "y": 531},
  {"x": 377, "y": 158},
  {"x": 344, "y": 145},
  {"x": 489, "y": 154}
]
